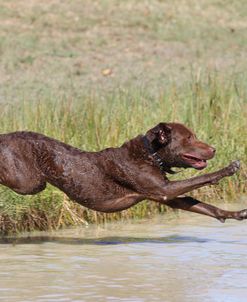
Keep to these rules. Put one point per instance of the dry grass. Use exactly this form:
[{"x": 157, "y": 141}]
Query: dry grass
[
  {"x": 95, "y": 73},
  {"x": 61, "y": 48}
]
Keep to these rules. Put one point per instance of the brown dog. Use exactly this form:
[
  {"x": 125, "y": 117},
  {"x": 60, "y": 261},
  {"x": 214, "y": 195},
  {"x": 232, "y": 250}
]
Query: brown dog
[{"x": 114, "y": 179}]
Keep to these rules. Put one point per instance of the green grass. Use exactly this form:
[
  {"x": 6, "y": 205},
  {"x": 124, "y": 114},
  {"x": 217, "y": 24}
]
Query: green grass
[
  {"x": 168, "y": 60},
  {"x": 214, "y": 108}
]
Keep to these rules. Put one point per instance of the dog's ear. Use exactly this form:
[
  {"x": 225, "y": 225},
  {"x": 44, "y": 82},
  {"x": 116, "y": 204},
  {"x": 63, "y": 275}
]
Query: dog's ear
[{"x": 160, "y": 133}]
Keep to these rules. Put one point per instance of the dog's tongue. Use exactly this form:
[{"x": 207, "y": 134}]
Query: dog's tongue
[{"x": 200, "y": 164}]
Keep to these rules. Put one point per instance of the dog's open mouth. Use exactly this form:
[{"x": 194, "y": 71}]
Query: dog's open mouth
[{"x": 194, "y": 161}]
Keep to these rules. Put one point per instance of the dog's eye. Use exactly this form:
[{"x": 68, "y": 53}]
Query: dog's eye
[{"x": 189, "y": 138}]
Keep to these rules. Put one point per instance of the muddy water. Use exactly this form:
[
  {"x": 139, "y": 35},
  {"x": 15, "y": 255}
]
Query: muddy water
[{"x": 184, "y": 258}]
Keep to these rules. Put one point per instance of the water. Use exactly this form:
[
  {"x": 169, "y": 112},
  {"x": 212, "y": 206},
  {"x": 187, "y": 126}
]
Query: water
[{"x": 169, "y": 258}]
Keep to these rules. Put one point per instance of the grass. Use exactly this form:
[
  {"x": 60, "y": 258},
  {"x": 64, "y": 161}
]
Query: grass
[
  {"x": 215, "y": 108},
  {"x": 97, "y": 74}
]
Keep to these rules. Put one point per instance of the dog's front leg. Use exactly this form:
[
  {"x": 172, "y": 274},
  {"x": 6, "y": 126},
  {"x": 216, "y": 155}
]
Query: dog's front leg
[
  {"x": 193, "y": 205},
  {"x": 173, "y": 189}
]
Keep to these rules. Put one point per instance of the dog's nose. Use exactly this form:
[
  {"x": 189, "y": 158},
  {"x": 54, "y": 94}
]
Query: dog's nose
[{"x": 213, "y": 150}]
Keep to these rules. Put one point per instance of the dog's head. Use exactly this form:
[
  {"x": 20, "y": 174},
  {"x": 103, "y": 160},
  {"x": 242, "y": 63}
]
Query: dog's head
[{"x": 178, "y": 146}]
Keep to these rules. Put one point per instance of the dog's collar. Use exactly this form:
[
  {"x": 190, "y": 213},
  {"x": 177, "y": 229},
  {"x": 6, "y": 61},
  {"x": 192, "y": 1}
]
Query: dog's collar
[{"x": 155, "y": 156}]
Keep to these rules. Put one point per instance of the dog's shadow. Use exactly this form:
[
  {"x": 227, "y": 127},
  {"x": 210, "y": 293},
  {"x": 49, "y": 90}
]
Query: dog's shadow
[{"x": 102, "y": 241}]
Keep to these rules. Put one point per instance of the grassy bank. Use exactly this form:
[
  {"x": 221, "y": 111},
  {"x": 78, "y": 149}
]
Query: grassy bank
[
  {"x": 97, "y": 73},
  {"x": 215, "y": 108}
]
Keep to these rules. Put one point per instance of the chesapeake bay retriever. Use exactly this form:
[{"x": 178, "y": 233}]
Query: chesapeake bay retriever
[{"x": 115, "y": 179}]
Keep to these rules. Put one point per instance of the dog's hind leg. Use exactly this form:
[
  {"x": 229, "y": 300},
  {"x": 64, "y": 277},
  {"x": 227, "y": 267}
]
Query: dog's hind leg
[
  {"x": 24, "y": 186},
  {"x": 22, "y": 177},
  {"x": 193, "y": 205}
]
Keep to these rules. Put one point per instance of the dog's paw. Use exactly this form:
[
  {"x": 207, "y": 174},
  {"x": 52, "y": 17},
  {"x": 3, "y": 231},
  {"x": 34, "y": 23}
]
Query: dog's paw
[
  {"x": 232, "y": 168},
  {"x": 242, "y": 215}
]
